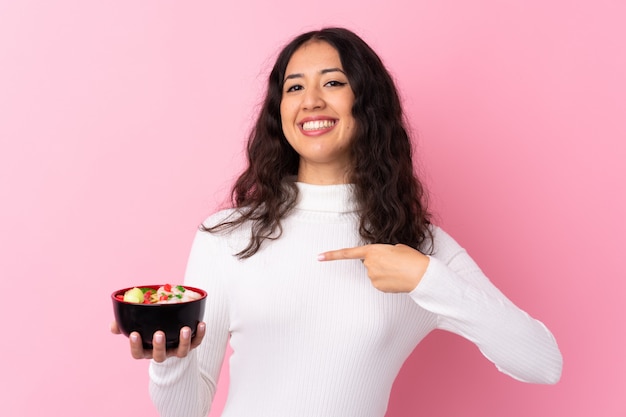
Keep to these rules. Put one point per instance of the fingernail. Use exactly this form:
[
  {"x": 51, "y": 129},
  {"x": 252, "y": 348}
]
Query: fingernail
[
  {"x": 201, "y": 327},
  {"x": 321, "y": 257},
  {"x": 134, "y": 337},
  {"x": 158, "y": 338},
  {"x": 186, "y": 333}
]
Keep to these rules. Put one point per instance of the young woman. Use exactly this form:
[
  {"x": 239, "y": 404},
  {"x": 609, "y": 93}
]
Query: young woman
[{"x": 326, "y": 272}]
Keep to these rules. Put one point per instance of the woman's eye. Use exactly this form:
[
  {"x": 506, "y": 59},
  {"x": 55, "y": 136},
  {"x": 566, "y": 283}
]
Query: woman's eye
[
  {"x": 335, "y": 83},
  {"x": 294, "y": 88}
]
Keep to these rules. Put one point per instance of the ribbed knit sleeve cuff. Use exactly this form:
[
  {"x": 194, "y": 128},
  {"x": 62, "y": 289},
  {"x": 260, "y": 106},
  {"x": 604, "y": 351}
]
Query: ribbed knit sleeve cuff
[{"x": 171, "y": 370}]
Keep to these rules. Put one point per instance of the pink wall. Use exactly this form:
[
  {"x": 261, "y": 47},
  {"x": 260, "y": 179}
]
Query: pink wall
[{"x": 121, "y": 126}]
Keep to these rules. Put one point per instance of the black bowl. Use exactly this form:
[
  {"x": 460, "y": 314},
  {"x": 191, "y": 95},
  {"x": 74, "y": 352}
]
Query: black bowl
[{"x": 148, "y": 318}]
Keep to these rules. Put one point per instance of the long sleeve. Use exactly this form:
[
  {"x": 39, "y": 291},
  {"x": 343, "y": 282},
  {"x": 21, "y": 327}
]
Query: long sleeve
[
  {"x": 184, "y": 387},
  {"x": 468, "y": 304}
]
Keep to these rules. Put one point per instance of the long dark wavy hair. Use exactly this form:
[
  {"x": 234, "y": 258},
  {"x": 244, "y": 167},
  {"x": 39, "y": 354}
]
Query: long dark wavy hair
[{"x": 390, "y": 197}]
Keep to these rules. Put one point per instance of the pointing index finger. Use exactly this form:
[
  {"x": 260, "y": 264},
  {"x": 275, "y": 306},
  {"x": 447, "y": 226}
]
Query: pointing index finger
[{"x": 357, "y": 252}]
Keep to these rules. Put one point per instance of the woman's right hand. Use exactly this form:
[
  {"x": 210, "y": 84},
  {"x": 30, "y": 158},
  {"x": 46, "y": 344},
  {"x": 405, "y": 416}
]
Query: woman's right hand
[{"x": 158, "y": 351}]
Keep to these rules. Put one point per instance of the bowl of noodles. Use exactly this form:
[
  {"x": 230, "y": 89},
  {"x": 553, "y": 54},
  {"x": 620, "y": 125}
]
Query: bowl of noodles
[{"x": 148, "y": 308}]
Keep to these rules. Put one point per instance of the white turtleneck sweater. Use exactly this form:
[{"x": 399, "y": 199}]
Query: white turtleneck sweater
[{"x": 316, "y": 339}]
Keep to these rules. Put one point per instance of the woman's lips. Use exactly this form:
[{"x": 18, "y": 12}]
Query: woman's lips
[{"x": 317, "y": 126}]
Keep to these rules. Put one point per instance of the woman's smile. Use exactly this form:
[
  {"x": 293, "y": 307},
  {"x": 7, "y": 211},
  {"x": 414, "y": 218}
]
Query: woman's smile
[{"x": 315, "y": 126}]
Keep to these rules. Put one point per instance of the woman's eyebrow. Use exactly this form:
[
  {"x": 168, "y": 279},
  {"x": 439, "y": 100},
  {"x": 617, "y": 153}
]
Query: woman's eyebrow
[{"x": 324, "y": 71}]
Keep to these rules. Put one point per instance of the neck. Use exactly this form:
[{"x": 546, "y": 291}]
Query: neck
[
  {"x": 326, "y": 198},
  {"x": 322, "y": 175}
]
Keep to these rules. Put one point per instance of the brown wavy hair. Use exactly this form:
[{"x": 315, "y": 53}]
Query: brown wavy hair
[{"x": 390, "y": 197}]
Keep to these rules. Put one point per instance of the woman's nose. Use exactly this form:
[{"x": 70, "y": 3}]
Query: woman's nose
[{"x": 312, "y": 99}]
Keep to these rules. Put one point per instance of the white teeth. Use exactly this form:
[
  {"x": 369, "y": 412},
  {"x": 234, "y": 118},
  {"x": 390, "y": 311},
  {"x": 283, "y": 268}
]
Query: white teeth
[{"x": 318, "y": 124}]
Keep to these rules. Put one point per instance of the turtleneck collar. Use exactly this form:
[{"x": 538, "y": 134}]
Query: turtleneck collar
[{"x": 326, "y": 198}]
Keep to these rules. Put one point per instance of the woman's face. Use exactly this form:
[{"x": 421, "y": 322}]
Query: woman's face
[{"x": 316, "y": 113}]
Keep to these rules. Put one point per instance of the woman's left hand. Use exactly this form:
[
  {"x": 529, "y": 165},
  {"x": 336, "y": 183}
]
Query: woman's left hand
[{"x": 391, "y": 268}]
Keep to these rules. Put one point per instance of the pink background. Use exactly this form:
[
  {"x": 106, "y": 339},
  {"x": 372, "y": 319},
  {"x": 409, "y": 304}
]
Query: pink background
[{"x": 122, "y": 126}]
